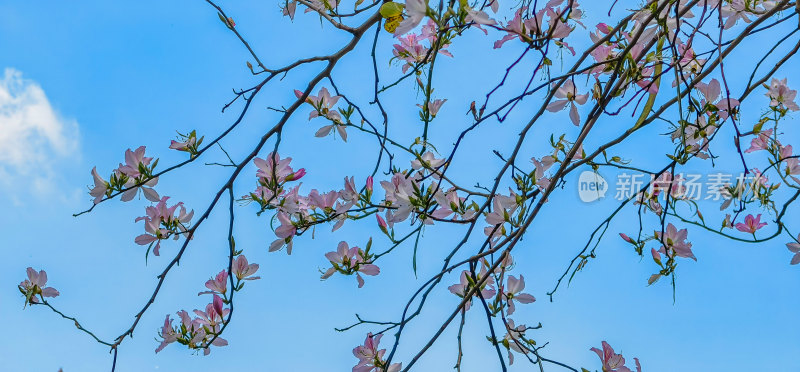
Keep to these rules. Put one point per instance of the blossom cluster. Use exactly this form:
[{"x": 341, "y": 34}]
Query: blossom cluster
[
  {"x": 349, "y": 261},
  {"x": 135, "y": 176},
  {"x": 204, "y": 329},
  {"x": 501, "y": 292},
  {"x": 161, "y": 223}
]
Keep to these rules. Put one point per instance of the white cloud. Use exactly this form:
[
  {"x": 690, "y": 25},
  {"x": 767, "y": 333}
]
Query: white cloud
[{"x": 34, "y": 139}]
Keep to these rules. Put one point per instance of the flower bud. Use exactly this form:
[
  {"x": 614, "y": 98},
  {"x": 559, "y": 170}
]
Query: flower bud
[
  {"x": 381, "y": 223},
  {"x": 296, "y": 175}
]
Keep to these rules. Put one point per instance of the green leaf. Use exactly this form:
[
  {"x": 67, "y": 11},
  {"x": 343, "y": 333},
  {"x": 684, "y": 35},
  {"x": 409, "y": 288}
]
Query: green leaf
[{"x": 391, "y": 9}]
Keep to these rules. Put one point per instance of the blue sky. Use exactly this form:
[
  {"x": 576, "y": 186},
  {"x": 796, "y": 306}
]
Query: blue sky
[{"x": 118, "y": 75}]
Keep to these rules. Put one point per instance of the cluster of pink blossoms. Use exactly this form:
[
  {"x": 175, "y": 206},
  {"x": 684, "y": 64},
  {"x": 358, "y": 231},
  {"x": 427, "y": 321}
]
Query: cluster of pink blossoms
[
  {"x": 161, "y": 223},
  {"x": 134, "y": 176},
  {"x": 781, "y": 101},
  {"x": 673, "y": 244},
  {"x": 35, "y": 287},
  {"x": 405, "y": 194},
  {"x": 530, "y": 29},
  {"x": 204, "y": 330},
  {"x": 296, "y": 212},
  {"x": 412, "y": 52},
  {"x": 508, "y": 293},
  {"x": 199, "y": 332},
  {"x": 349, "y": 261},
  {"x": 695, "y": 137},
  {"x": 504, "y": 209},
  {"x": 607, "y": 54}
]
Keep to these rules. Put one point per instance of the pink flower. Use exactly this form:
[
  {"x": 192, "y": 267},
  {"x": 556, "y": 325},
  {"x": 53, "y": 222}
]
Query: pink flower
[
  {"x": 794, "y": 247},
  {"x": 341, "y": 257},
  {"x": 349, "y": 194},
  {"x": 327, "y": 129},
  {"x": 479, "y": 18},
  {"x": 399, "y": 192},
  {"x": 217, "y": 285},
  {"x": 349, "y": 261},
  {"x": 792, "y": 163},
  {"x": 167, "y": 333},
  {"x": 569, "y": 95},
  {"x": 434, "y": 106},
  {"x": 273, "y": 169},
  {"x": 780, "y": 94},
  {"x": 244, "y": 270},
  {"x": 751, "y": 224},
  {"x": 449, "y": 202},
  {"x": 689, "y": 62},
  {"x": 673, "y": 241},
  {"x": 515, "y": 338},
  {"x": 184, "y": 145},
  {"x": 465, "y": 284},
  {"x": 323, "y": 104},
  {"x": 761, "y": 141},
  {"x": 428, "y": 161},
  {"x": 324, "y": 201},
  {"x": 36, "y": 285},
  {"x": 146, "y": 188},
  {"x": 613, "y": 362},
  {"x": 540, "y": 167},
  {"x": 370, "y": 358},
  {"x": 100, "y": 187},
  {"x": 711, "y": 92},
  {"x": 214, "y": 314},
  {"x": 512, "y": 292},
  {"x": 285, "y": 232},
  {"x": 134, "y": 160},
  {"x": 502, "y": 208}
]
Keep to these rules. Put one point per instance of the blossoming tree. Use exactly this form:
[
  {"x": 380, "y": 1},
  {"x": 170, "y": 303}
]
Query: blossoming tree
[{"x": 662, "y": 63}]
